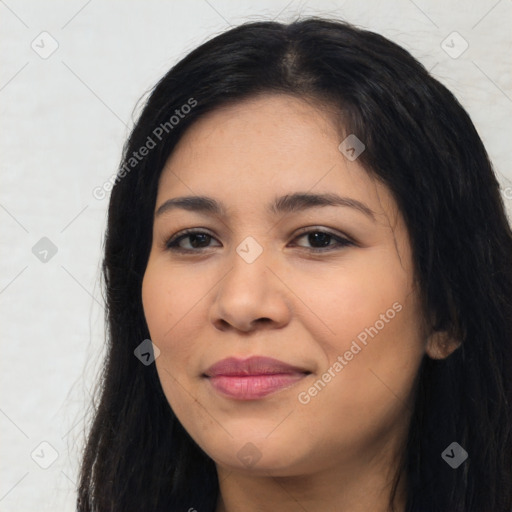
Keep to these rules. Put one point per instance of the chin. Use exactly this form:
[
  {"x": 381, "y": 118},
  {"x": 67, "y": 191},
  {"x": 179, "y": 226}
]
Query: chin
[{"x": 263, "y": 458}]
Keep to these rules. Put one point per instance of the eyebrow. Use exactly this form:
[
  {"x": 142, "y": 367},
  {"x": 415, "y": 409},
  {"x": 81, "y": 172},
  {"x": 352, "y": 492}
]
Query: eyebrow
[{"x": 288, "y": 203}]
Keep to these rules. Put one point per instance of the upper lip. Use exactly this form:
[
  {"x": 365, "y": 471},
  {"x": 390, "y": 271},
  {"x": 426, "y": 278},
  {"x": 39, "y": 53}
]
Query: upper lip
[{"x": 255, "y": 365}]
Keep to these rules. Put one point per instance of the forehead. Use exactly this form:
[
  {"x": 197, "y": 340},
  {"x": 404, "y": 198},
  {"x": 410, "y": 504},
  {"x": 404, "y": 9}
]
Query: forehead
[{"x": 260, "y": 147}]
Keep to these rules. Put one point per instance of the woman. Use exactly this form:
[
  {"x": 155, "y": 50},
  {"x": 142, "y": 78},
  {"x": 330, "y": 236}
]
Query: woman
[{"x": 307, "y": 227}]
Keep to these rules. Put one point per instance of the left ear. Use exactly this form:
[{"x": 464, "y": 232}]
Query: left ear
[{"x": 440, "y": 345}]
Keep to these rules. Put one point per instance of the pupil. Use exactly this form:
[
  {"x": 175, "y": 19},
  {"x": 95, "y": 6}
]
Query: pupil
[
  {"x": 319, "y": 237},
  {"x": 194, "y": 238}
]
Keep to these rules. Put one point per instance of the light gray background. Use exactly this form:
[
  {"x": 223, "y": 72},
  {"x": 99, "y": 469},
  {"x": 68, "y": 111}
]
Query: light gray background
[{"x": 64, "y": 119}]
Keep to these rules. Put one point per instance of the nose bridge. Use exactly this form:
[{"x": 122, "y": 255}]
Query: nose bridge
[
  {"x": 248, "y": 276},
  {"x": 250, "y": 291},
  {"x": 250, "y": 250}
]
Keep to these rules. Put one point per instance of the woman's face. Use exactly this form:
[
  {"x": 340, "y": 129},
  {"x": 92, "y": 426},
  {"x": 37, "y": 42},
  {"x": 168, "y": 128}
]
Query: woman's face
[{"x": 345, "y": 317}]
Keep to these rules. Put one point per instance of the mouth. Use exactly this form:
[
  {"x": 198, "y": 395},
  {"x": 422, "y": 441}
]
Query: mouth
[{"x": 253, "y": 378}]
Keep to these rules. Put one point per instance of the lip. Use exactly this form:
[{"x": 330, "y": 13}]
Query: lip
[{"x": 253, "y": 378}]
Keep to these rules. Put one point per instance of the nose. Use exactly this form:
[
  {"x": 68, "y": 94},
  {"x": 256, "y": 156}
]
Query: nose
[{"x": 250, "y": 296}]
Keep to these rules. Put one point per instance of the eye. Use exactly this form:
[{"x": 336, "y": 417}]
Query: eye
[
  {"x": 197, "y": 240},
  {"x": 320, "y": 240}
]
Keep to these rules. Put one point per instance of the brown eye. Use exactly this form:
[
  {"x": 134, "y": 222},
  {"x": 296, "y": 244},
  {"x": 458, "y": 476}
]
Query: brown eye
[
  {"x": 197, "y": 240},
  {"x": 321, "y": 240}
]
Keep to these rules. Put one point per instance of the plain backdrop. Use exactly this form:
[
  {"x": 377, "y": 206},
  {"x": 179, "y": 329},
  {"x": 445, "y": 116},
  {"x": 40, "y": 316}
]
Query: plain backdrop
[{"x": 65, "y": 116}]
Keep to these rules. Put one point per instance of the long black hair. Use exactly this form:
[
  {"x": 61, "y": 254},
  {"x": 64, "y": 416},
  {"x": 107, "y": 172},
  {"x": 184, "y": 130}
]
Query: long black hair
[{"x": 422, "y": 145}]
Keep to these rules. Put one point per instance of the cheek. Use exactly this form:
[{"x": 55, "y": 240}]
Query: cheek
[
  {"x": 168, "y": 304},
  {"x": 367, "y": 314},
  {"x": 168, "y": 300},
  {"x": 348, "y": 298}
]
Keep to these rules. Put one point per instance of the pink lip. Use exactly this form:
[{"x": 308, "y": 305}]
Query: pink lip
[{"x": 252, "y": 378}]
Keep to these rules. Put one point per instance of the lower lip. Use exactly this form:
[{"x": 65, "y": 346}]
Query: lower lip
[{"x": 253, "y": 387}]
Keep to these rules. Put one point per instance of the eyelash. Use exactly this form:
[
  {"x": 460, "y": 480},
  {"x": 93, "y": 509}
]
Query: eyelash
[{"x": 172, "y": 243}]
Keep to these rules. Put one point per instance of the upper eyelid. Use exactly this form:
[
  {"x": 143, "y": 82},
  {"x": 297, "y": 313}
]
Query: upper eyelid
[{"x": 304, "y": 230}]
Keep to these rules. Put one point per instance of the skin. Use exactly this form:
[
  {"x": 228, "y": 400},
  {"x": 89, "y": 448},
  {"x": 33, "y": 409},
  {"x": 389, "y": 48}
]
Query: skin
[{"x": 338, "y": 451}]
